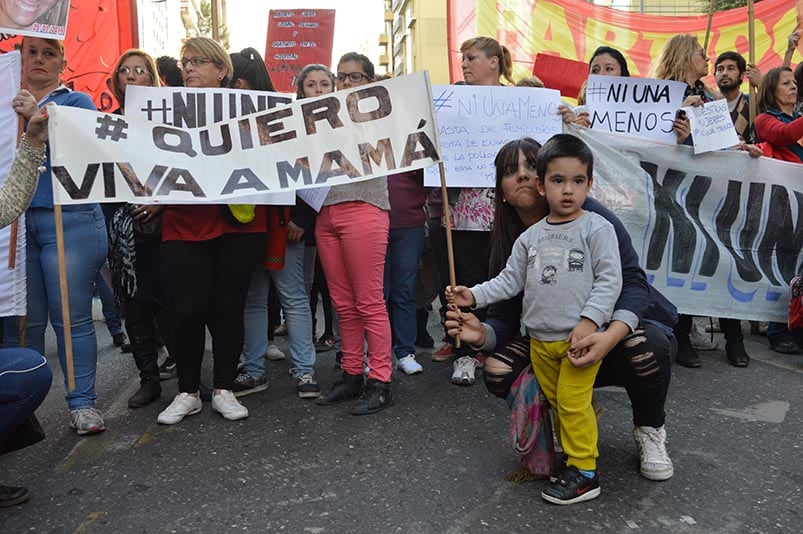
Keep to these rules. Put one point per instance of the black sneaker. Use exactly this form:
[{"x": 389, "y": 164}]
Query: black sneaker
[
  {"x": 375, "y": 397},
  {"x": 13, "y": 495},
  {"x": 307, "y": 387},
  {"x": 346, "y": 388},
  {"x": 119, "y": 339},
  {"x": 571, "y": 487},
  {"x": 168, "y": 369},
  {"x": 246, "y": 384}
]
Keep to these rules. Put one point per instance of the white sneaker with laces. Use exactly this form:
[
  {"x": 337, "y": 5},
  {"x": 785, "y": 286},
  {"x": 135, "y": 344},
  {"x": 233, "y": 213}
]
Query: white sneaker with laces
[
  {"x": 86, "y": 421},
  {"x": 651, "y": 445},
  {"x": 227, "y": 405},
  {"x": 409, "y": 365},
  {"x": 183, "y": 404},
  {"x": 463, "y": 374},
  {"x": 274, "y": 354}
]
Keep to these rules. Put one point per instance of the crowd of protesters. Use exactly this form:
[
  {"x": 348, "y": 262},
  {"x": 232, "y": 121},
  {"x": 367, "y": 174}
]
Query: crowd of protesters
[{"x": 178, "y": 270}]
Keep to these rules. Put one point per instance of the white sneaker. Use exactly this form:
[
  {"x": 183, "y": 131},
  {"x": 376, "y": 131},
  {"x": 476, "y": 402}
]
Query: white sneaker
[
  {"x": 700, "y": 341},
  {"x": 183, "y": 405},
  {"x": 651, "y": 445},
  {"x": 274, "y": 354},
  {"x": 463, "y": 374},
  {"x": 409, "y": 365},
  {"x": 227, "y": 405}
]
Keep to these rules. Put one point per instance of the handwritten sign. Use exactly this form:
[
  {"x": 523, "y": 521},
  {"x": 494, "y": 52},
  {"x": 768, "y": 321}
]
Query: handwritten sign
[
  {"x": 297, "y": 37},
  {"x": 475, "y": 121},
  {"x": 641, "y": 107},
  {"x": 711, "y": 126}
]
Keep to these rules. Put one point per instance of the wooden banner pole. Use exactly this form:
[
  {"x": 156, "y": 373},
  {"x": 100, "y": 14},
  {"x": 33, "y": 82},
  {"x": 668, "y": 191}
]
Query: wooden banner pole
[
  {"x": 708, "y": 27},
  {"x": 65, "y": 298},
  {"x": 751, "y": 54},
  {"x": 449, "y": 247}
]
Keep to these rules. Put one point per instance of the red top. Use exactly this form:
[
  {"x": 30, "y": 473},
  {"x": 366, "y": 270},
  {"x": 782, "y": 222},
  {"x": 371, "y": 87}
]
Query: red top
[
  {"x": 202, "y": 222},
  {"x": 779, "y": 135}
]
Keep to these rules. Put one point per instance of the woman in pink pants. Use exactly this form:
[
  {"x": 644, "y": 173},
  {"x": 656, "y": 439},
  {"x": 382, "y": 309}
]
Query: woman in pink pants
[{"x": 352, "y": 237}]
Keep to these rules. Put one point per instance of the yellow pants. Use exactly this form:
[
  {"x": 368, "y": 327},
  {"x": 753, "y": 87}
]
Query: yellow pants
[{"x": 568, "y": 390}]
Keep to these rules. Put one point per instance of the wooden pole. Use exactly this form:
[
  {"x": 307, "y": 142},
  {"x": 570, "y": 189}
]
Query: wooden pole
[
  {"x": 65, "y": 297},
  {"x": 708, "y": 27},
  {"x": 751, "y": 55},
  {"x": 449, "y": 247}
]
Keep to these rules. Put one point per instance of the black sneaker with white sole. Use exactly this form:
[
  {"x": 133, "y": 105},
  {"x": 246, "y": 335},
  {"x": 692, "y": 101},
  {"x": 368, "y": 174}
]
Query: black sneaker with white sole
[
  {"x": 571, "y": 487},
  {"x": 246, "y": 384},
  {"x": 307, "y": 387}
]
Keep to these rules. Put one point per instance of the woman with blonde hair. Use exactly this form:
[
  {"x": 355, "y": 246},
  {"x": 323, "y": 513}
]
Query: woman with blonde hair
[{"x": 208, "y": 258}]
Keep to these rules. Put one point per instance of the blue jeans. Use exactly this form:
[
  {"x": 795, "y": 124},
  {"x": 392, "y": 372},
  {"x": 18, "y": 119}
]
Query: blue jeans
[
  {"x": 401, "y": 273},
  {"x": 25, "y": 380},
  {"x": 111, "y": 314},
  {"x": 85, "y": 246},
  {"x": 289, "y": 282}
]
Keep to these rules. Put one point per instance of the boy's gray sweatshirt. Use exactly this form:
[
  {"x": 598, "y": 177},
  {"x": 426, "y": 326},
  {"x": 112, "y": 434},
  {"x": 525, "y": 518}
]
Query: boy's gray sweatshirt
[{"x": 567, "y": 271}]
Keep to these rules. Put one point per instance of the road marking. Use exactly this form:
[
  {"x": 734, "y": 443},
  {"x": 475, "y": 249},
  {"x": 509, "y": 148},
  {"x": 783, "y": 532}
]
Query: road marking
[
  {"x": 86, "y": 526},
  {"x": 764, "y": 412}
]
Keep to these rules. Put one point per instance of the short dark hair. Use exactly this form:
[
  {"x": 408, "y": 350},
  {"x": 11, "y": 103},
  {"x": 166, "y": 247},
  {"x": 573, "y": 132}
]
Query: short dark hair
[
  {"x": 564, "y": 146},
  {"x": 615, "y": 54},
  {"x": 741, "y": 64},
  {"x": 169, "y": 71},
  {"x": 363, "y": 60}
]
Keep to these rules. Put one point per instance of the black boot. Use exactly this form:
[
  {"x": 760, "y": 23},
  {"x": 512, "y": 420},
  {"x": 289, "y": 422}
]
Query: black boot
[
  {"x": 734, "y": 342},
  {"x": 423, "y": 339},
  {"x": 12, "y": 496},
  {"x": 148, "y": 392},
  {"x": 375, "y": 397},
  {"x": 143, "y": 343},
  {"x": 347, "y": 388},
  {"x": 687, "y": 356}
]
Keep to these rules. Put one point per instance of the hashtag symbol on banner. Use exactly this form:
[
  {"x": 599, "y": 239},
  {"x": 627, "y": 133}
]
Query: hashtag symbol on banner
[
  {"x": 443, "y": 101},
  {"x": 594, "y": 90},
  {"x": 112, "y": 128}
]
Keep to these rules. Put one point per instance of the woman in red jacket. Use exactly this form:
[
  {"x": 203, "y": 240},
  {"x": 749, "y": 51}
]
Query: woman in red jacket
[
  {"x": 208, "y": 260},
  {"x": 780, "y": 130}
]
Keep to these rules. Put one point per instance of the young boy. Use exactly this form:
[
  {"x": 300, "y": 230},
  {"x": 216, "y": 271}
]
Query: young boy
[{"x": 568, "y": 266}]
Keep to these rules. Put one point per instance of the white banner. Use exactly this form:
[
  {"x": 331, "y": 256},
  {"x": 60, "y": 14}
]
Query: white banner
[
  {"x": 12, "y": 280},
  {"x": 347, "y": 136},
  {"x": 720, "y": 234},
  {"x": 641, "y": 107},
  {"x": 183, "y": 107},
  {"x": 474, "y": 121}
]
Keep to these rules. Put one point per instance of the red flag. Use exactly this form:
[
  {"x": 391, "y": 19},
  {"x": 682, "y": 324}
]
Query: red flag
[{"x": 566, "y": 75}]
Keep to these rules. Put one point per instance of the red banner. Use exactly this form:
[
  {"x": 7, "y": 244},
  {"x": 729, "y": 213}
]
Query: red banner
[
  {"x": 296, "y": 38},
  {"x": 98, "y": 31},
  {"x": 573, "y": 29}
]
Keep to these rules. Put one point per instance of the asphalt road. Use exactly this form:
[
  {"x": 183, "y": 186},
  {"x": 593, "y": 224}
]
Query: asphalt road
[{"x": 436, "y": 461}]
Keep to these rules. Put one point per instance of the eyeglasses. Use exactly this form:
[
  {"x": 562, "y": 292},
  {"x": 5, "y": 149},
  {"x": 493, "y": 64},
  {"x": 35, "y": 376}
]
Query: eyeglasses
[
  {"x": 701, "y": 52},
  {"x": 139, "y": 71},
  {"x": 196, "y": 61},
  {"x": 354, "y": 77}
]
